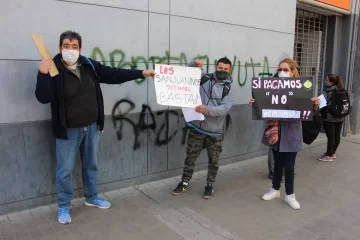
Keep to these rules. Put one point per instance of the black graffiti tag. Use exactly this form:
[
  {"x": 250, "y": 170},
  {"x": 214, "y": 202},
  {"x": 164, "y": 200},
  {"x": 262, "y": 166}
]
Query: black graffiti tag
[
  {"x": 165, "y": 126},
  {"x": 163, "y": 134},
  {"x": 118, "y": 115}
]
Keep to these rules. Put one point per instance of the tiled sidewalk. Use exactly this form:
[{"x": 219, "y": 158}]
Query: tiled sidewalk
[{"x": 329, "y": 194}]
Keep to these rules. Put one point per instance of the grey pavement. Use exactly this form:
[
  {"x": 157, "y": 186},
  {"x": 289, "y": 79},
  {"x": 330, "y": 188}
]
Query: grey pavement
[{"x": 329, "y": 194}]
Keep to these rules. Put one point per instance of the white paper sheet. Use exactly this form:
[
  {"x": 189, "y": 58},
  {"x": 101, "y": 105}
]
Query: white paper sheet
[
  {"x": 323, "y": 102},
  {"x": 190, "y": 114}
]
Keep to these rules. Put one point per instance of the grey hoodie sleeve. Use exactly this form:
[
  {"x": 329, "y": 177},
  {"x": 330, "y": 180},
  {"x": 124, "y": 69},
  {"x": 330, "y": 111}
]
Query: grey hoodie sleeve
[
  {"x": 192, "y": 64},
  {"x": 224, "y": 106}
]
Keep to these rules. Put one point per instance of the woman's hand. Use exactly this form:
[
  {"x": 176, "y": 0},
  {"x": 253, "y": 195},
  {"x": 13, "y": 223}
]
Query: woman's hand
[
  {"x": 251, "y": 102},
  {"x": 316, "y": 102}
]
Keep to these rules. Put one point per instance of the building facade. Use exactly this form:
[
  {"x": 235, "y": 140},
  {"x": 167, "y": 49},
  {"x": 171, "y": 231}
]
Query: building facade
[{"x": 144, "y": 141}]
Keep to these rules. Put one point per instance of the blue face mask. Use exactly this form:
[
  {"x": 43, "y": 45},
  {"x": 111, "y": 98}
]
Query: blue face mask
[{"x": 326, "y": 84}]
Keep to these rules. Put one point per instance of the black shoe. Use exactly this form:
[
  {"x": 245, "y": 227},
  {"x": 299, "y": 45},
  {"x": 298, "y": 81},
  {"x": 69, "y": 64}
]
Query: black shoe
[
  {"x": 181, "y": 188},
  {"x": 209, "y": 191},
  {"x": 271, "y": 175}
]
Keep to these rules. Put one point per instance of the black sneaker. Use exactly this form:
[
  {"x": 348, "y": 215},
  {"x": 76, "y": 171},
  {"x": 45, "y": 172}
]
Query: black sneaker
[
  {"x": 181, "y": 188},
  {"x": 209, "y": 191}
]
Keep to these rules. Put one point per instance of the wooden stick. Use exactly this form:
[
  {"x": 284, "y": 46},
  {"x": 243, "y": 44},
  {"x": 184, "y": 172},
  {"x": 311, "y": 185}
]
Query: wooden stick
[{"x": 44, "y": 52}]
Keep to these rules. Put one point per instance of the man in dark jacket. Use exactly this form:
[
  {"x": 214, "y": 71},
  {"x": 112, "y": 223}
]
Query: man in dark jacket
[{"x": 77, "y": 109}]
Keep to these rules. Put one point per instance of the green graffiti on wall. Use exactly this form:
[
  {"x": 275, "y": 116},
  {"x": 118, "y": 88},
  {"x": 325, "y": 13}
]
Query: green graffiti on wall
[{"x": 117, "y": 58}]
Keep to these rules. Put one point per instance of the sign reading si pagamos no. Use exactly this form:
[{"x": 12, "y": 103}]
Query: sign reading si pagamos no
[{"x": 282, "y": 98}]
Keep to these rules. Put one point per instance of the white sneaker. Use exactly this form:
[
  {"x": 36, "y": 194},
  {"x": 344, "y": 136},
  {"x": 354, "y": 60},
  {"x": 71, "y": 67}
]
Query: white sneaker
[
  {"x": 325, "y": 158},
  {"x": 272, "y": 194},
  {"x": 291, "y": 200}
]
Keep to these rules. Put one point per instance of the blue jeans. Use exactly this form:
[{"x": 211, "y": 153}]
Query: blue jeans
[{"x": 86, "y": 139}]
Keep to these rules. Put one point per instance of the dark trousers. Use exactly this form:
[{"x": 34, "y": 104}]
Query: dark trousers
[
  {"x": 286, "y": 161},
  {"x": 333, "y": 131},
  {"x": 270, "y": 160}
]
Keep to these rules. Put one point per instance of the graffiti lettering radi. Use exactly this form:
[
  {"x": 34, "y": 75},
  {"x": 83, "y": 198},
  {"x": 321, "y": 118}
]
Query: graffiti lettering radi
[
  {"x": 171, "y": 122},
  {"x": 118, "y": 58}
]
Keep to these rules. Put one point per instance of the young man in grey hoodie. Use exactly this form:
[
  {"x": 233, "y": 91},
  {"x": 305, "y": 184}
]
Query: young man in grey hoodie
[{"x": 217, "y": 97}]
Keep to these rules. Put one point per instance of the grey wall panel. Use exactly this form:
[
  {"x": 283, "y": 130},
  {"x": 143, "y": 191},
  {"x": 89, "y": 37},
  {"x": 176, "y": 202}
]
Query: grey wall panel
[
  {"x": 130, "y": 34},
  {"x": 28, "y": 160}
]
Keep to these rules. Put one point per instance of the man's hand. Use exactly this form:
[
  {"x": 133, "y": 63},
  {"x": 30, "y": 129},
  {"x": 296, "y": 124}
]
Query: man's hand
[
  {"x": 45, "y": 65},
  {"x": 149, "y": 73},
  {"x": 201, "y": 109},
  {"x": 199, "y": 63}
]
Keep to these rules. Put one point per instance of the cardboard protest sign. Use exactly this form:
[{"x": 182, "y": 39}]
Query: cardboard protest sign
[
  {"x": 177, "y": 86},
  {"x": 44, "y": 52},
  {"x": 282, "y": 98}
]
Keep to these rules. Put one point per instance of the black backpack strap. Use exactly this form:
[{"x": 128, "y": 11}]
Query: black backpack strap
[
  {"x": 205, "y": 78},
  {"x": 226, "y": 90}
]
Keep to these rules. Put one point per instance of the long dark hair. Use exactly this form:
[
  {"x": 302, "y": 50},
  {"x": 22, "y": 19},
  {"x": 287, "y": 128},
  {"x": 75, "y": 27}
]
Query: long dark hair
[{"x": 336, "y": 79}]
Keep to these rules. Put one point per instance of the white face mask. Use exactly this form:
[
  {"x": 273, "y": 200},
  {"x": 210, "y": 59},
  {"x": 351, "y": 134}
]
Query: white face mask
[
  {"x": 70, "y": 56},
  {"x": 284, "y": 74}
]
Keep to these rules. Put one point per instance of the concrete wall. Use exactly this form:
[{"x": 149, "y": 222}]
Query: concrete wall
[
  {"x": 355, "y": 115},
  {"x": 128, "y": 33},
  {"x": 342, "y": 55}
]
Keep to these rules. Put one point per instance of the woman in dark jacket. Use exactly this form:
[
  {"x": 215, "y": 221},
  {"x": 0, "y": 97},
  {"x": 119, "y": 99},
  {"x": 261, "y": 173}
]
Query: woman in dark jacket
[
  {"x": 290, "y": 142},
  {"x": 332, "y": 124}
]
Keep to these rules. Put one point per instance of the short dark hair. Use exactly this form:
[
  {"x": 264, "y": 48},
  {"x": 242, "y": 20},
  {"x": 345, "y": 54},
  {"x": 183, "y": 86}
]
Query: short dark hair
[
  {"x": 224, "y": 60},
  {"x": 70, "y": 35}
]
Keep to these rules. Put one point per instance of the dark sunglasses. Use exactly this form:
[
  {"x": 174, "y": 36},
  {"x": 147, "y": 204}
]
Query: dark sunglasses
[{"x": 283, "y": 70}]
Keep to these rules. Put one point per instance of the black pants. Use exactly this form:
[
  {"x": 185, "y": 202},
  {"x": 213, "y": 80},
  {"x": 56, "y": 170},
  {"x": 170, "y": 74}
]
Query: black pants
[
  {"x": 333, "y": 131},
  {"x": 284, "y": 160}
]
